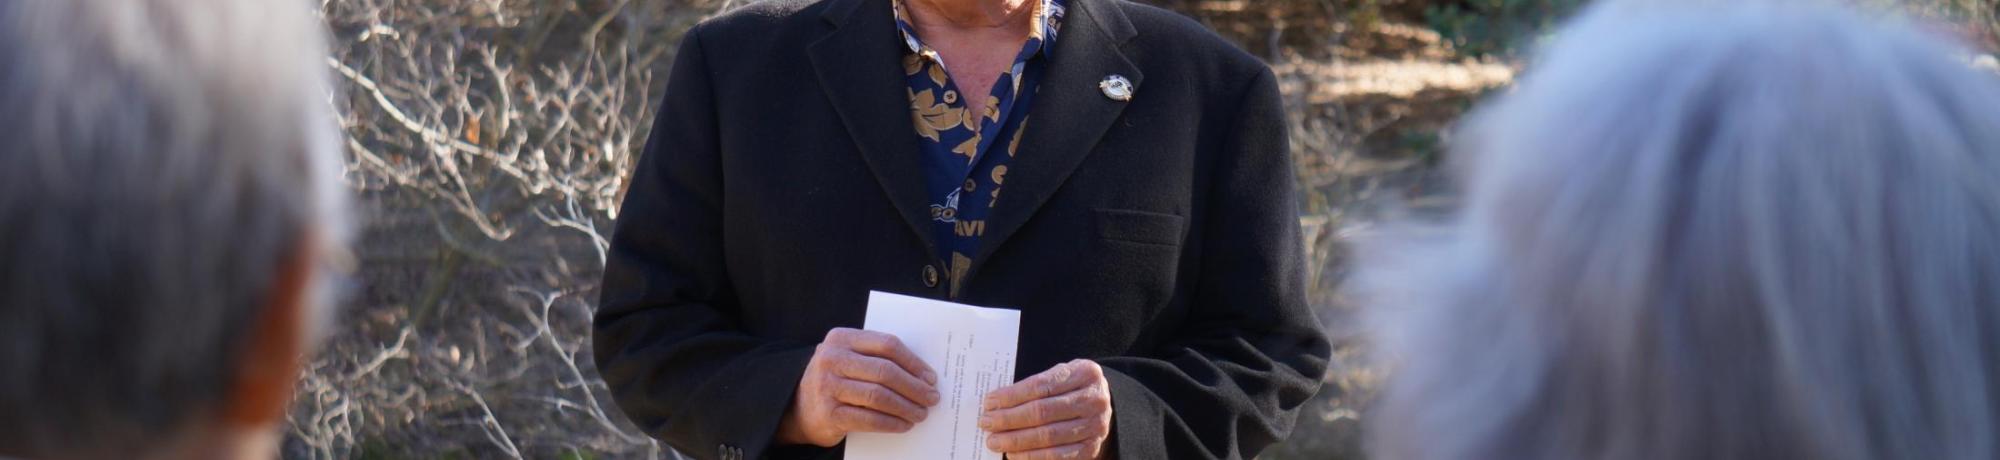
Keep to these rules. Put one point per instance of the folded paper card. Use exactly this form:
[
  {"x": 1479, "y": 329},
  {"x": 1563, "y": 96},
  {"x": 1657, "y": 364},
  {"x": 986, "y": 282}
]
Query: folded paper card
[{"x": 972, "y": 349}]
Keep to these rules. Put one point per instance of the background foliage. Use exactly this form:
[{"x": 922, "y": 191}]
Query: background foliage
[{"x": 489, "y": 140}]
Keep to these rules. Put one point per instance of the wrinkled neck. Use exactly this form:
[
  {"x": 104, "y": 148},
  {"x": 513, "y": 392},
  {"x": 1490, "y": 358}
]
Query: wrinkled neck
[{"x": 969, "y": 14}]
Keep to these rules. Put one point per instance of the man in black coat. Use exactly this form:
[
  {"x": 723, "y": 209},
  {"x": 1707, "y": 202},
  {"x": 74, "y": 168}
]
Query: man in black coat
[{"x": 1147, "y": 231}]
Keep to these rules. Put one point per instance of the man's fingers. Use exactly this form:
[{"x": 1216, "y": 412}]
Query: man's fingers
[
  {"x": 1046, "y": 436},
  {"x": 878, "y": 398},
  {"x": 1057, "y": 380},
  {"x": 1073, "y": 451},
  {"x": 858, "y": 420},
  {"x": 888, "y": 347},
  {"x": 1075, "y": 404},
  {"x": 881, "y": 371}
]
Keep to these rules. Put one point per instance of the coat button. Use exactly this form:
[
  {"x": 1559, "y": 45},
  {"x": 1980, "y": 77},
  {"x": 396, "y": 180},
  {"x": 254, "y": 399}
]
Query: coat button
[{"x": 930, "y": 276}]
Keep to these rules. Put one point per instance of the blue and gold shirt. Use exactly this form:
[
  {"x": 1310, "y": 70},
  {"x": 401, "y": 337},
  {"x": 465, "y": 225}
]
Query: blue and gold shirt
[{"x": 958, "y": 133}]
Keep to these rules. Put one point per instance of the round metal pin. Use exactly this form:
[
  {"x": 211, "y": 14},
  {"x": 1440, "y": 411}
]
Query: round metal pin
[{"x": 1116, "y": 87}]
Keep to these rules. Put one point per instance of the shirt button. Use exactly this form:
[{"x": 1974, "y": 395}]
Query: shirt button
[{"x": 930, "y": 276}]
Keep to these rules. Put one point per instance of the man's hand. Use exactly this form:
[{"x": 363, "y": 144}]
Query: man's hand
[
  {"x": 858, "y": 381},
  {"x": 1061, "y": 413}
]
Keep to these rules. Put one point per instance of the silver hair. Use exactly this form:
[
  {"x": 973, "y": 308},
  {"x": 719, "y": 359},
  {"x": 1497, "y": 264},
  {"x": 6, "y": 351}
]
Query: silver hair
[
  {"x": 1704, "y": 230},
  {"x": 161, "y": 159}
]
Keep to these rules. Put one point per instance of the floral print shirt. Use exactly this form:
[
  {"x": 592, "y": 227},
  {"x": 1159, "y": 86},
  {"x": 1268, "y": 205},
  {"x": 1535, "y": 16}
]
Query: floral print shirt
[{"x": 959, "y": 134}]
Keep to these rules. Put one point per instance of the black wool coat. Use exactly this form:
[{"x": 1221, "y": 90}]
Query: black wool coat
[{"x": 1157, "y": 236}]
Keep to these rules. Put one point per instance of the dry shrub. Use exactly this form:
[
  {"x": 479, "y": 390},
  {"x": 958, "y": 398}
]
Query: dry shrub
[{"x": 489, "y": 140}]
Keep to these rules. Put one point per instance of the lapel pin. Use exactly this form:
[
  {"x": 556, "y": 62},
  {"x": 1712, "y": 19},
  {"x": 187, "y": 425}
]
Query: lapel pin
[{"x": 1116, "y": 87}]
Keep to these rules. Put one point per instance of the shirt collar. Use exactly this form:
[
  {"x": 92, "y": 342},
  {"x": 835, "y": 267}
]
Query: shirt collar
[{"x": 1047, "y": 19}]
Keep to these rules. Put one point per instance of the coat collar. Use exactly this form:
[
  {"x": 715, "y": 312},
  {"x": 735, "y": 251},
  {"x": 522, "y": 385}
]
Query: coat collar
[
  {"x": 1069, "y": 116},
  {"x": 859, "y": 67}
]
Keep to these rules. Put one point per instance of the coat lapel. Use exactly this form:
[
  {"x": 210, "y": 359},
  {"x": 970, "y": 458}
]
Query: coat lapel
[
  {"x": 1070, "y": 113},
  {"x": 860, "y": 68}
]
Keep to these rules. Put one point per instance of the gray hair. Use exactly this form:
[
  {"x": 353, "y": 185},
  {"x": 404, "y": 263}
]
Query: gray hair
[
  {"x": 1699, "y": 230},
  {"x": 162, "y": 158}
]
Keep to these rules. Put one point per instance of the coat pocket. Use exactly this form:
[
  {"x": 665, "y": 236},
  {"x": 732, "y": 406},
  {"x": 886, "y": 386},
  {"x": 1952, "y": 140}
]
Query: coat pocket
[{"x": 1139, "y": 226}]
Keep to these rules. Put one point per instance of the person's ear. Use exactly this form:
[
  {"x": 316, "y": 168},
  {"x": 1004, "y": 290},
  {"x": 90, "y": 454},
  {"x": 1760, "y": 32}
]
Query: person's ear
[{"x": 270, "y": 358}]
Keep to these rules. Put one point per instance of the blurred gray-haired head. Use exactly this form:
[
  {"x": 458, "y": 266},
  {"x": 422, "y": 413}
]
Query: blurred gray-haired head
[
  {"x": 1708, "y": 230},
  {"x": 162, "y": 159}
]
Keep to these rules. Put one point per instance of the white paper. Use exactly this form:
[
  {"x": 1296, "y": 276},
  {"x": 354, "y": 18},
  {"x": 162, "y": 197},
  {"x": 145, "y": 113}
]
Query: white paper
[{"x": 972, "y": 350}]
